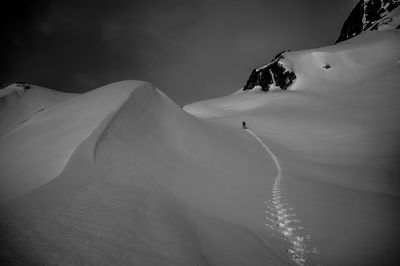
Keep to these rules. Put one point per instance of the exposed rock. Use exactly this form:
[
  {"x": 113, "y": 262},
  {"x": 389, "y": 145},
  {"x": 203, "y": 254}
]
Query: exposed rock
[
  {"x": 327, "y": 66},
  {"x": 365, "y": 16},
  {"x": 22, "y": 84},
  {"x": 276, "y": 73}
]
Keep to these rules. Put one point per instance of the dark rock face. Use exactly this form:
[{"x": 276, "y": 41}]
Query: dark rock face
[
  {"x": 273, "y": 74},
  {"x": 23, "y": 85},
  {"x": 364, "y": 16}
]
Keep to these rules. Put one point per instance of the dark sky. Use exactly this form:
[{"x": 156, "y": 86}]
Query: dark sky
[{"x": 190, "y": 49}]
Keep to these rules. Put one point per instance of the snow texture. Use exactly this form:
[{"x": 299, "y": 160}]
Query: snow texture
[{"x": 121, "y": 175}]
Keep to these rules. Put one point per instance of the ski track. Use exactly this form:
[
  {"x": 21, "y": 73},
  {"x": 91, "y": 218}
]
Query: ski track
[{"x": 281, "y": 218}]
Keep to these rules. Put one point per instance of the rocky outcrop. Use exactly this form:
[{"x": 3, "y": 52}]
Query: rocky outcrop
[
  {"x": 278, "y": 73},
  {"x": 367, "y": 15},
  {"x": 22, "y": 84}
]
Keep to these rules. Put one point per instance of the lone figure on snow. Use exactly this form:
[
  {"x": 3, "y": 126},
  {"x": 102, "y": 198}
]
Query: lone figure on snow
[{"x": 244, "y": 125}]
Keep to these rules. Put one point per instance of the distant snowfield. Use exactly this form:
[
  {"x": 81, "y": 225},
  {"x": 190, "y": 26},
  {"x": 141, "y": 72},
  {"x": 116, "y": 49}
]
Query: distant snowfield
[{"x": 121, "y": 175}]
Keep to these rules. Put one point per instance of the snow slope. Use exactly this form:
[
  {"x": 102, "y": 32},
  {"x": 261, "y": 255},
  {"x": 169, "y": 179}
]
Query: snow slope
[
  {"x": 38, "y": 150},
  {"x": 335, "y": 132},
  {"x": 19, "y": 102},
  {"x": 121, "y": 175}
]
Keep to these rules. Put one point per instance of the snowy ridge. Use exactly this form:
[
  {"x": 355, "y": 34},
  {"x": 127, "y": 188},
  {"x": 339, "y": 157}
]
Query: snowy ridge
[
  {"x": 72, "y": 116},
  {"x": 346, "y": 64},
  {"x": 127, "y": 178},
  {"x": 122, "y": 175},
  {"x": 19, "y": 102},
  {"x": 368, "y": 15}
]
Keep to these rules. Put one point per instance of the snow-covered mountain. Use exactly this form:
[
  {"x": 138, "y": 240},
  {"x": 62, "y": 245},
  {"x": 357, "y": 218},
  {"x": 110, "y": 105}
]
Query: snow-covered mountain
[
  {"x": 121, "y": 175},
  {"x": 335, "y": 133},
  {"x": 371, "y": 15},
  {"x": 367, "y": 15}
]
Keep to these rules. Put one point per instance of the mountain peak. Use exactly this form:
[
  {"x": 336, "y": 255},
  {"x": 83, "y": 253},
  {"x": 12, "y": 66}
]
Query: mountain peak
[{"x": 369, "y": 15}]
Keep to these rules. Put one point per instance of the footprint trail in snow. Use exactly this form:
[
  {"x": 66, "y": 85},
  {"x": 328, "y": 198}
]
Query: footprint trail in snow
[{"x": 281, "y": 218}]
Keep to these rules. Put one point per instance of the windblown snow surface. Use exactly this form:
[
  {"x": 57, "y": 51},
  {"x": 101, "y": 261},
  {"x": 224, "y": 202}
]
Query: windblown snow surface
[
  {"x": 123, "y": 176},
  {"x": 335, "y": 133}
]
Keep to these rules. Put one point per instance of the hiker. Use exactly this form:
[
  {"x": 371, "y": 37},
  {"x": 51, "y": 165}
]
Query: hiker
[{"x": 244, "y": 125}]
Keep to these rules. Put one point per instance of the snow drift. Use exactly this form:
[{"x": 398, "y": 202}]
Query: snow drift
[{"x": 122, "y": 175}]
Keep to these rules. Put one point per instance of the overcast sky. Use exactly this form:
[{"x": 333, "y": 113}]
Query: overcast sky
[{"x": 190, "y": 49}]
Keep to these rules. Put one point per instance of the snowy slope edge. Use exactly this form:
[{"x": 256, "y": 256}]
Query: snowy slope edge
[{"x": 73, "y": 119}]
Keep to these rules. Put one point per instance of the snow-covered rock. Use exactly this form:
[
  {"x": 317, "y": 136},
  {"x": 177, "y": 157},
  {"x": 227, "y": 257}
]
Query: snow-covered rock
[
  {"x": 370, "y": 15},
  {"x": 278, "y": 73},
  {"x": 366, "y": 16}
]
